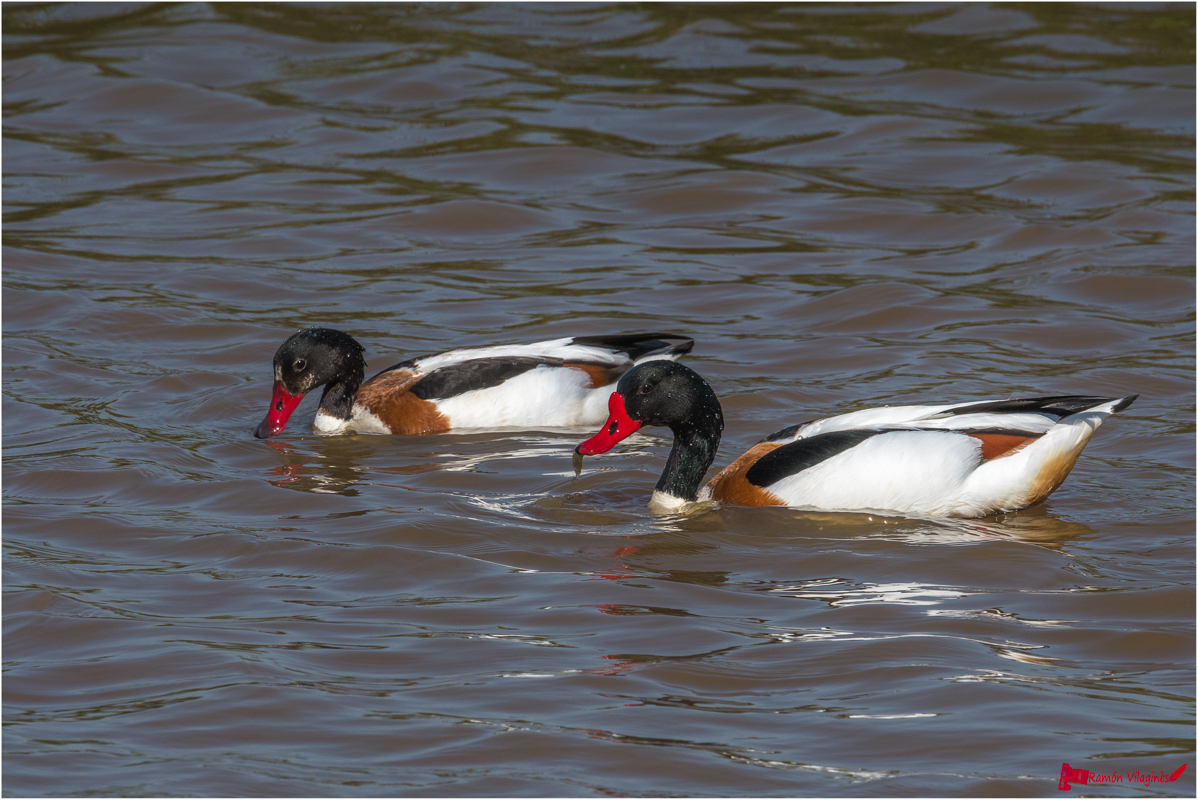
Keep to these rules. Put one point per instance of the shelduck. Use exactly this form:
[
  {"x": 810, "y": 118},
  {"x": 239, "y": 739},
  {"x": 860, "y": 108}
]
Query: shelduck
[
  {"x": 555, "y": 383},
  {"x": 961, "y": 460}
]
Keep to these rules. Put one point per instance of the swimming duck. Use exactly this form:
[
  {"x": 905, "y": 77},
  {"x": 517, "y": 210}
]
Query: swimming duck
[
  {"x": 555, "y": 383},
  {"x": 960, "y": 460}
]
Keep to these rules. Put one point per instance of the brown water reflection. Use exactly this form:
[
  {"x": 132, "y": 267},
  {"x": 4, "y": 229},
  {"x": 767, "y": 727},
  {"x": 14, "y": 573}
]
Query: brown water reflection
[{"x": 845, "y": 205}]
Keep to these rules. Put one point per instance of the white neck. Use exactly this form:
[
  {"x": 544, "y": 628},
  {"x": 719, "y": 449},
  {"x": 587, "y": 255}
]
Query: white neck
[
  {"x": 662, "y": 503},
  {"x": 327, "y": 423}
]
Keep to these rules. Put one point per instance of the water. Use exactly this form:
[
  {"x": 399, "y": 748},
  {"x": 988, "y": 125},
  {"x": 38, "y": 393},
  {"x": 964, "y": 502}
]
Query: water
[{"x": 845, "y": 205}]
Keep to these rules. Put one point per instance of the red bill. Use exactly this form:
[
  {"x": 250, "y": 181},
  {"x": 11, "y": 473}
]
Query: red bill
[{"x": 281, "y": 406}]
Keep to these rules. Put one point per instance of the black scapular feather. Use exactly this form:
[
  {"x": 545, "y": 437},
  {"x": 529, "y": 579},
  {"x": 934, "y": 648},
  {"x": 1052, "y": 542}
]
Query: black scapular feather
[
  {"x": 478, "y": 373},
  {"x": 802, "y": 454},
  {"x": 1060, "y": 406},
  {"x": 638, "y": 345}
]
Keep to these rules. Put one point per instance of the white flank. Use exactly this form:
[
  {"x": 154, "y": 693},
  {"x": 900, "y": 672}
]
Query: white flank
[
  {"x": 545, "y": 397},
  {"x": 916, "y": 472},
  {"x": 1008, "y": 482},
  {"x": 938, "y": 473}
]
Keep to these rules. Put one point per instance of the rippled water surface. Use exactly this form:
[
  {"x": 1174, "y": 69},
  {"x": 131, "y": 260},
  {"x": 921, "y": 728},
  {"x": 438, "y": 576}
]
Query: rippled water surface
[{"x": 844, "y": 205}]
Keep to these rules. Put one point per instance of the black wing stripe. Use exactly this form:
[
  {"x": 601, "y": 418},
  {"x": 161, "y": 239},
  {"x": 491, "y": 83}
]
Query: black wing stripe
[
  {"x": 804, "y": 453},
  {"x": 479, "y": 373},
  {"x": 987, "y": 431}
]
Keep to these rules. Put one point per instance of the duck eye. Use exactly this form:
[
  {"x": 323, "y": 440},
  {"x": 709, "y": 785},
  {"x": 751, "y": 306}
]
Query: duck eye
[
  {"x": 299, "y": 364},
  {"x": 645, "y": 388}
]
